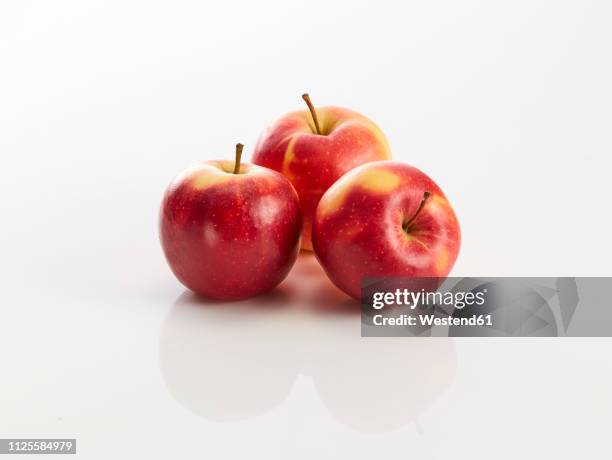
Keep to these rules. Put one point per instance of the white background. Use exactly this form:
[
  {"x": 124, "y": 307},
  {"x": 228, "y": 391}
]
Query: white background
[{"x": 507, "y": 105}]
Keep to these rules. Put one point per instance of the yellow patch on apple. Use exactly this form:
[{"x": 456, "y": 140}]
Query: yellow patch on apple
[
  {"x": 380, "y": 181},
  {"x": 442, "y": 260}
]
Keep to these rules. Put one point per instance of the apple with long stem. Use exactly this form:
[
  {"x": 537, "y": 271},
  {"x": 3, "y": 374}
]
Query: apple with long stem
[
  {"x": 385, "y": 219},
  {"x": 230, "y": 230},
  {"x": 313, "y": 148}
]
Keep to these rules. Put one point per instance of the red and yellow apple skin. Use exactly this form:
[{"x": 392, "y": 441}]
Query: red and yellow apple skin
[
  {"x": 359, "y": 230},
  {"x": 230, "y": 236},
  {"x": 313, "y": 162}
]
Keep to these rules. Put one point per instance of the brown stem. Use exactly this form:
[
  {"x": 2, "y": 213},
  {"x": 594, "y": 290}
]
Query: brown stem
[
  {"x": 239, "y": 148},
  {"x": 407, "y": 225},
  {"x": 306, "y": 98}
]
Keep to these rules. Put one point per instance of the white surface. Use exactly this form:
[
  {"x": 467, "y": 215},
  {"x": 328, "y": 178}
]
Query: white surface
[{"x": 505, "y": 104}]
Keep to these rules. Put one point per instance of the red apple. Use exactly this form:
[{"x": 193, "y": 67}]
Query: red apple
[
  {"x": 230, "y": 230},
  {"x": 315, "y": 148},
  {"x": 384, "y": 219}
]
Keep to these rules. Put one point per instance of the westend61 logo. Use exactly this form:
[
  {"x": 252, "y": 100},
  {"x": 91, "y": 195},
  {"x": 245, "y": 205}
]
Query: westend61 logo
[{"x": 486, "y": 307}]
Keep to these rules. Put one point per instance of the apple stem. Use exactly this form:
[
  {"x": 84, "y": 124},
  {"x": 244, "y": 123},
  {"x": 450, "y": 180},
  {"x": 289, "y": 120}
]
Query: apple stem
[
  {"x": 239, "y": 148},
  {"x": 407, "y": 225},
  {"x": 306, "y": 98}
]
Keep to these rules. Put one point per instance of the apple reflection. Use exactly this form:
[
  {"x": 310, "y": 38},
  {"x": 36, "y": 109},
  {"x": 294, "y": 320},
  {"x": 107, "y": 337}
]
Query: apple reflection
[{"x": 238, "y": 360}]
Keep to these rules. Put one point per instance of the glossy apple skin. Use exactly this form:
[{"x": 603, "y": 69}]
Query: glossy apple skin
[
  {"x": 358, "y": 228},
  {"x": 314, "y": 162},
  {"x": 230, "y": 236}
]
